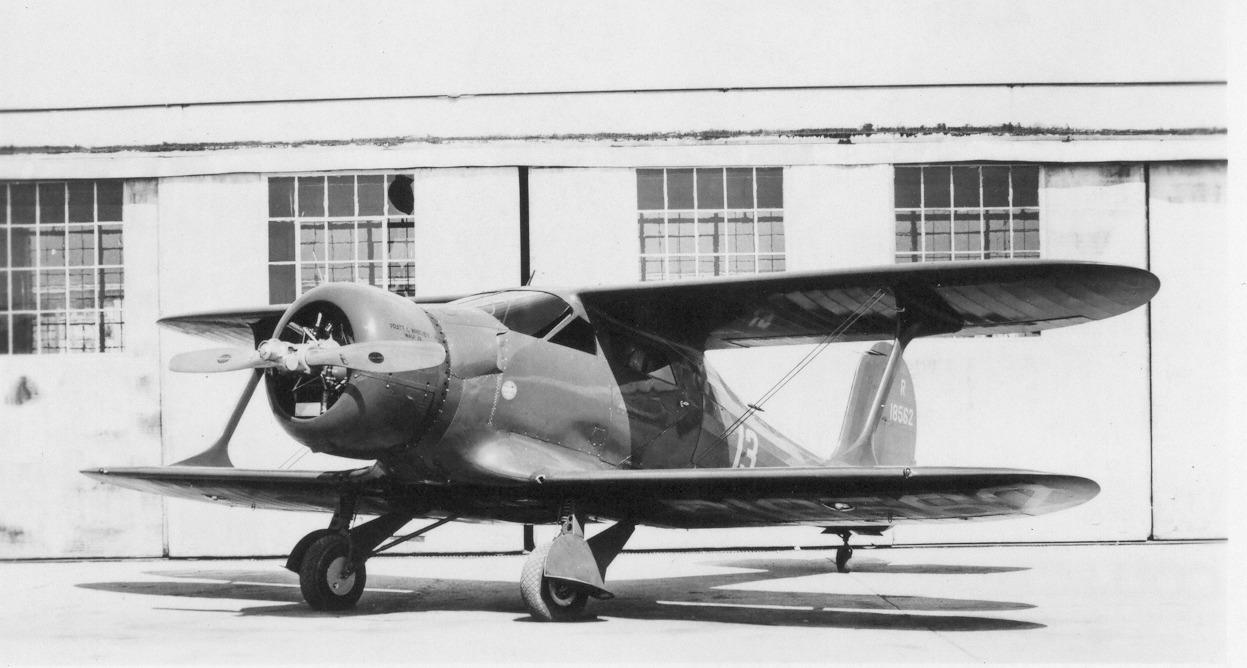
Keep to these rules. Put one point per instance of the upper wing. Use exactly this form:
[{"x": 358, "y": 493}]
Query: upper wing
[
  {"x": 248, "y": 326},
  {"x": 683, "y": 498},
  {"x": 963, "y": 297}
]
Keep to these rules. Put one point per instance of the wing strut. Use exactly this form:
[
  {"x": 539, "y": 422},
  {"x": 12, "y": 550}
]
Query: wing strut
[{"x": 218, "y": 453}]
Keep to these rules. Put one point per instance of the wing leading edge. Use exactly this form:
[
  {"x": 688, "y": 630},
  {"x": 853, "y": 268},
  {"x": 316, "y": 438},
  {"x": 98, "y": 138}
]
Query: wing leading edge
[
  {"x": 991, "y": 297},
  {"x": 677, "y": 498}
]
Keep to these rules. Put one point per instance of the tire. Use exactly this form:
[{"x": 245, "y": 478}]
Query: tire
[
  {"x": 843, "y": 554},
  {"x": 320, "y": 575},
  {"x": 549, "y": 600}
]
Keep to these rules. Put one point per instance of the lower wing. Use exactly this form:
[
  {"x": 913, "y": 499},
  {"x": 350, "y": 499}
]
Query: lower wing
[{"x": 677, "y": 498}]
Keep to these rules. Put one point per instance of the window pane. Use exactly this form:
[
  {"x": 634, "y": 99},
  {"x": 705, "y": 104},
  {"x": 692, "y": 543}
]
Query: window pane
[
  {"x": 770, "y": 263},
  {"x": 770, "y": 188},
  {"x": 113, "y": 326},
  {"x": 370, "y": 242},
  {"x": 108, "y": 197},
  {"x": 51, "y": 203},
  {"x": 4, "y": 292},
  {"x": 82, "y": 289},
  {"x": 741, "y": 232},
  {"x": 312, "y": 196},
  {"x": 110, "y": 244},
  {"x": 82, "y": 335},
  {"x": 743, "y": 264},
  {"x": 770, "y": 232},
  {"x": 649, "y": 189},
  {"x": 679, "y": 188},
  {"x": 403, "y": 279},
  {"x": 1026, "y": 231},
  {"x": 281, "y": 283},
  {"x": 967, "y": 235},
  {"x": 371, "y": 194},
  {"x": 341, "y": 242},
  {"x": 651, "y": 269},
  {"x": 22, "y": 203},
  {"x": 24, "y": 333},
  {"x": 342, "y": 196},
  {"x": 4, "y": 211},
  {"x": 112, "y": 287},
  {"x": 4, "y": 246},
  {"x": 81, "y": 246},
  {"x": 711, "y": 265},
  {"x": 281, "y": 241},
  {"x": 995, "y": 186},
  {"x": 740, "y": 188},
  {"x": 51, "y": 332},
  {"x": 680, "y": 233},
  {"x": 400, "y": 195},
  {"x": 52, "y": 247},
  {"x": 652, "y": 235},
  {"x": 402, "y": 240},
  {"x": 281, "y": 197},
  {"x": 312, "y": 242},
  {"x": 908, "y": 231},
  {"x": 23, "y": 290},
  {"x": 341, "y": 273},
  {"x": 310, "y": 276},
  {"x": 710, "y": 188},
  {"x": 965, "y": 187},
  {"x": 52, "y": 290},
  {"x": 935, "y": 187},
  {"x": 372, "y": 274},
  {"x": 682, "y": 266},
  {"x": 996, "y": 245},
  {"x": 81, "y": 202},
  {"x": 23, "y": 240},
  {"x": 938, "y": 232},
  {"x": 908, "y": 188},
  {"x": 1025, "y": 185},
  {"x": 4, "y": 335},
  {"x": 711, "y": 233}
]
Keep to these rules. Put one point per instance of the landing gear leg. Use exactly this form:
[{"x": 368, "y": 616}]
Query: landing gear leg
[
  {"x": 844, "y": 553},
  {"x": 559, "y": 577}
]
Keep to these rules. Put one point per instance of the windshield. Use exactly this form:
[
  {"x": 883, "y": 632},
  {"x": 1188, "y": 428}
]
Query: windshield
[{"x": 531, "y": 313}]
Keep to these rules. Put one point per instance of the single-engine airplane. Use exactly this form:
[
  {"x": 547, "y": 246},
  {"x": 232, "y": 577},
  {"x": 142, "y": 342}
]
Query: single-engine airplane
[{"x": 543, "y": 406}]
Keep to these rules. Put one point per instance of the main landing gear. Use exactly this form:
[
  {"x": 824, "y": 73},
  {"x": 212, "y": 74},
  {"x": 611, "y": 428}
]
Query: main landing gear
[
  {"x": 559, "y": 578},
  {"x": 331, "y": 562}
]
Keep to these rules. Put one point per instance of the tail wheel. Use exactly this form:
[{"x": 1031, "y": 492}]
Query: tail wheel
[
  {"x": 326, "y": 580},
  {"x": 549, "y": 600}
]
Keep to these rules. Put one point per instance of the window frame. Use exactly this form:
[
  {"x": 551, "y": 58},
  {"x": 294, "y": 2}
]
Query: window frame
[
  {"x": 389, "y": 218},
  {"x": 696, "y": 216},
  {"x": 925, "y": 253},
  {"x": 101, "y": 326}
]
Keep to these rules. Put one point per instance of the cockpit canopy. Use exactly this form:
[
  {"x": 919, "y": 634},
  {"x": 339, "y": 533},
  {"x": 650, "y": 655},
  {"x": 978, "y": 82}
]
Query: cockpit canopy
[{"x": 538, "y": 314}]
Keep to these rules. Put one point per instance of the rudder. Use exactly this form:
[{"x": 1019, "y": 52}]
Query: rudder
[{"x": 895, "y": 439}]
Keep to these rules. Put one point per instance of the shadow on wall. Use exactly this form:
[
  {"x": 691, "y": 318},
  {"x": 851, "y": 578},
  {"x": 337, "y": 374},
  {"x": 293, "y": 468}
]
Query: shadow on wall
[
  {"x": 24, "y": 391},
  {"x": 702, "y": 598}
]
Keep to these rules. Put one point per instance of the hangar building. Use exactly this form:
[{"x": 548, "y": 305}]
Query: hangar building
[{"x": 611, "y": 146}]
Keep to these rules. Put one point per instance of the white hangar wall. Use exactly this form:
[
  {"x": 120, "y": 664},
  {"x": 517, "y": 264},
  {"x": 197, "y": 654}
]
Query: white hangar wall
[{"x": 1073, "y": 401}]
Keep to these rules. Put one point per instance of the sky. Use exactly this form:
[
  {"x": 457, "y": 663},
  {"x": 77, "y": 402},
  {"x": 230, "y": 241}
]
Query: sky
[{"x": 73, "y": 54}]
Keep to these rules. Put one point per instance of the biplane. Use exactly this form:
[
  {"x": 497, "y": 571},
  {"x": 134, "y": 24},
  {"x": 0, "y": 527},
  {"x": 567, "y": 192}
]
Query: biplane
[{"x": 596, "y": 406}]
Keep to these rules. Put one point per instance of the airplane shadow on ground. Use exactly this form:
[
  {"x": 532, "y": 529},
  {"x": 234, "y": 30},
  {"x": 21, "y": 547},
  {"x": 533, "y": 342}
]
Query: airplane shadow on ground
[{"x": 690, "y": 598}]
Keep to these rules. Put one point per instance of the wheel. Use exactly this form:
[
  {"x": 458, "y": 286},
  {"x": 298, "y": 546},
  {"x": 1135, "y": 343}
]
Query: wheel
[
  {"x": 843, "y": 554},
  {"x": 321, "y": 579},
  {"x": 549, "y": 600}
]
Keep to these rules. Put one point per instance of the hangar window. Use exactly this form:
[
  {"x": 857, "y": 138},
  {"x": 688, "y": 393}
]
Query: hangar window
[
  {"x": 61, "y": 273},
  {"x": 340, "y": 227},
  {"x": 710, "y": 222},
  {"x": 967, "y": 212}
]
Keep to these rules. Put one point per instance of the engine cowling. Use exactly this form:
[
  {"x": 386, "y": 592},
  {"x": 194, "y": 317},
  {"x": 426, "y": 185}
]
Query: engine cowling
[{"x": 348, "y": 412}]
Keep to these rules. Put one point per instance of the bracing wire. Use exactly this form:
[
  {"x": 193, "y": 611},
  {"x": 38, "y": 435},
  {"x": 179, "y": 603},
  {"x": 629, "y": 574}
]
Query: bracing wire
[{"x": 800, "y": 366}]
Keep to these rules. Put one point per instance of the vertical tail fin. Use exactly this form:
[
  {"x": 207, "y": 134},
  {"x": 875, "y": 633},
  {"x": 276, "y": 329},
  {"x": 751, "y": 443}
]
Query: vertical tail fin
[{"x": 896, "y": 435}]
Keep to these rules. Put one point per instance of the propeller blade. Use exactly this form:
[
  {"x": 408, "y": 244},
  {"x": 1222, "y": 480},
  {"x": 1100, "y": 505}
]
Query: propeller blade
[
  {"x": 214, "y": 360},
  {"x": 381, "y": 356}
]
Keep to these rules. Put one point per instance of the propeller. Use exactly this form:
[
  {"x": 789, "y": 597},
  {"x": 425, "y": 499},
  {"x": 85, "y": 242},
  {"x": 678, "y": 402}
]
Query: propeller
[{"x": 379, "y": 356}]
